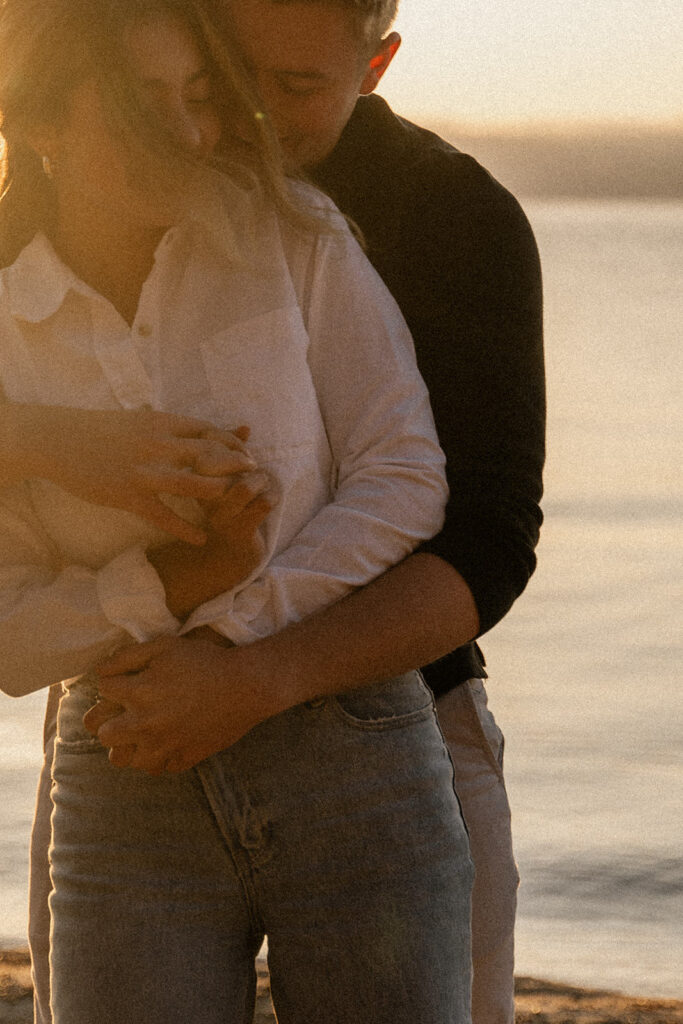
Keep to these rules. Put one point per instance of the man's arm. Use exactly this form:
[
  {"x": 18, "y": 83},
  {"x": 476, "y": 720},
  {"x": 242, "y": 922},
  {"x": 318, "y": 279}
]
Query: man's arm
[
  {"x": 459, "y": 257},
  {"x": 414, "y": 613}
]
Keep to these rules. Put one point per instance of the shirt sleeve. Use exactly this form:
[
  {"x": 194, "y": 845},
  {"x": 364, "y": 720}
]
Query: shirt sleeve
[
  {"x": 57, "y": 620},
  {"x": 459, "y": 257},
  {"x": 390, "y": 489},
  {"x": 479, "y": 337}
]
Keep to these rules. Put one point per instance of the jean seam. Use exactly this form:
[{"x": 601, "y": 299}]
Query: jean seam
[
  {"x": 241, "y": 859},
  {"x": 381, "y": 724}
]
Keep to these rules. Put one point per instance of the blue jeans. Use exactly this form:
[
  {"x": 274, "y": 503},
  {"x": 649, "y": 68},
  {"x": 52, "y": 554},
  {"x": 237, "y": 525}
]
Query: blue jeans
[{"x": 332, "y": 828}]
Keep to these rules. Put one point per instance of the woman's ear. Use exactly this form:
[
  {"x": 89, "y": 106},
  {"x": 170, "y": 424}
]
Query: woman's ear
[
  {"x": 379, "y": 62},
  {"x": 44, "y": 142}
]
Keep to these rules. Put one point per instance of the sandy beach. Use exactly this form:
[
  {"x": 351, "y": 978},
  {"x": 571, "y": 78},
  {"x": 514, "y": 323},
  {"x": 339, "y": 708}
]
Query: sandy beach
[{"x": 538, "y": 1002}]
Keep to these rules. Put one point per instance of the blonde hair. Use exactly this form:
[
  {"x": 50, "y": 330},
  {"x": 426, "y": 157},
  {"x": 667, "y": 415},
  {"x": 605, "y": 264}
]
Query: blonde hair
[{"x": 49, "y": 47}]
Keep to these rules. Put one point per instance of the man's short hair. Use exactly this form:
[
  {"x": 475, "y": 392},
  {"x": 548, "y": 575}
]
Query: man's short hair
[{"x": 373, "y": 17}]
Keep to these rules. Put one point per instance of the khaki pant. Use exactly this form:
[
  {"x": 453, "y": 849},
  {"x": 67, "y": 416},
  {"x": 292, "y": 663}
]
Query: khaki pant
[{"x": 476, "y": 747}]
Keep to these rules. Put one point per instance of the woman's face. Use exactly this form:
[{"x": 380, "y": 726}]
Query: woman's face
[{"x": 95, "y": 173}]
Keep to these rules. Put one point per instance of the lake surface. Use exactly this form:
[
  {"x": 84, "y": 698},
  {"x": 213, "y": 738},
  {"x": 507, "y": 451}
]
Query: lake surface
[
  {"x": 584, "y": 676},
  {"x": 585, "y": 671}
]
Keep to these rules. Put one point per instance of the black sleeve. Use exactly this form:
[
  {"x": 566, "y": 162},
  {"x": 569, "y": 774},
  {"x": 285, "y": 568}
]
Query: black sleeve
[{"x": 469, "y": 285}]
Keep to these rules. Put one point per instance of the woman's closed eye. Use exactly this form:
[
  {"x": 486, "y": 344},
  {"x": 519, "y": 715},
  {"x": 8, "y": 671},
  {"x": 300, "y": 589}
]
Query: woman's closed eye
[{"x": 163, "y": 97}]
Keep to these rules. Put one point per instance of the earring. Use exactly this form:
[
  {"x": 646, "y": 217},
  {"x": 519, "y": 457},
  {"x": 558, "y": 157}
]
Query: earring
[{"x": 48, "y": 168}]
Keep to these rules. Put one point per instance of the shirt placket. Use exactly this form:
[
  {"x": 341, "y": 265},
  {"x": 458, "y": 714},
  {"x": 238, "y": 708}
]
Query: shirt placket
[{"x": 115, "y": 350}]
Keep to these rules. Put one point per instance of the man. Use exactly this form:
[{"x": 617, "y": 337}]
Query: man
[
  {"x": 459, "y": 257},
  {"x": 457, "y": 254}
]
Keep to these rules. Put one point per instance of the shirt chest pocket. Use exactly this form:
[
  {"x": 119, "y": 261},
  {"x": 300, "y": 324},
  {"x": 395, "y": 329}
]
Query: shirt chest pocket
[{"x": 258, "y": 375}]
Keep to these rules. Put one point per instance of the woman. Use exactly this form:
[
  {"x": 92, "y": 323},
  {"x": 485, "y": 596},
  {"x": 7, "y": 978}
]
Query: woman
[{"x": 331, "y": 827}]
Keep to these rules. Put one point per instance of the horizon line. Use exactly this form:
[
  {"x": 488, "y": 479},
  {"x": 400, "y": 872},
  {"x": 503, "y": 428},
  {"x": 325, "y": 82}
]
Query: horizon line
[{"x": 552, "y": 126}]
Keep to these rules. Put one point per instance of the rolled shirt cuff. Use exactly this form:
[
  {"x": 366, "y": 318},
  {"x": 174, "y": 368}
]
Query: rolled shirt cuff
[
  {"x": 237, "y": 615},
  {"x": 132, "y": 596}
]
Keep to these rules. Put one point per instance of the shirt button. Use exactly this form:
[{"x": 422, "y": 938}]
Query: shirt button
[{"x": 145, "y": 330}]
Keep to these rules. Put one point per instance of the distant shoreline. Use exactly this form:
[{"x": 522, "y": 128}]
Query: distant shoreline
[
  {"x": 536, "y": 1000},
  {"x": 577, "y": 163}
]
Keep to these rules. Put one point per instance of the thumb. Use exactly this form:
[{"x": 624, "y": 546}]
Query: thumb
[{"x": 160, "y": 515}]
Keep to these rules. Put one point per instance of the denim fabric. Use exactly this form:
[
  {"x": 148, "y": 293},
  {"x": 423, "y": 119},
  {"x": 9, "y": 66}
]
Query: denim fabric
[{"x": 332, "y": 828}]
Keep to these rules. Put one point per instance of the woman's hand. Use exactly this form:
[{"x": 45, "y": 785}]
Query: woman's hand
[
  {"x": 233, "y": 550},
  {"x": 235, "y": 520},
  {"x": 124, "y": 458}
]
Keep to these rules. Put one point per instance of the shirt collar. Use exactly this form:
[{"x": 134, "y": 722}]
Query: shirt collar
[{"x": 38, "y": 281}]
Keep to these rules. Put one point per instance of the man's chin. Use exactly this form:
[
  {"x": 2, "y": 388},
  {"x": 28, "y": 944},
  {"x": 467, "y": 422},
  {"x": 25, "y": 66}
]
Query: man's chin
[
  {"x": 300, "y": 156},
  {"x": 291, "y": 156}
]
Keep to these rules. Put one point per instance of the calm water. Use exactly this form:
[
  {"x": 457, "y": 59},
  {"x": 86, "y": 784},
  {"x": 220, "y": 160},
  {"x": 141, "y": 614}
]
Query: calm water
[{"x": 583, "y": 669}]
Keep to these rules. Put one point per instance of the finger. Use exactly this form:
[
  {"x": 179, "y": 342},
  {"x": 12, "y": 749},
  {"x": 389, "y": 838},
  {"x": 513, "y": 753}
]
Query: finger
[
  {"x": 159, "y": 479},
  {"x": 245, "y": 522},
  {"x": 255, "y": 513},
  {"x": 216, "y": 434},
  {"x": 232, "y": 521},
  {"x": 121, "y": 757},
  {"x": 154, "y": 425},
  {"x": 124, "y": 690},
  {"x": 189, "y": 449},
  {"x": 218, "y": 460},
  {"x": 132, "y": 659},
  {"x": 99, "y": 714},
  {"x": 185, "y": 426},
  {"x": 120, "y": 731},
  {"x": 151, "y": 761},
  {"x": 160, "y": 515},
  {"x": 219, "y": 449},
  {"x": 243, "y": 491}
]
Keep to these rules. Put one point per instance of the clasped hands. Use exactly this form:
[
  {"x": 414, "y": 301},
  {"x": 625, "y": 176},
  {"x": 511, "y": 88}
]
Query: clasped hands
[
  {"x": 170, "y": 703},
  {"x": 161, "y": 705}
]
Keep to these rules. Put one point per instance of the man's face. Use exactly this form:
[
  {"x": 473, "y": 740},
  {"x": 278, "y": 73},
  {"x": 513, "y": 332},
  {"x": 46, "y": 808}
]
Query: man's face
[{"x": 310, "y": 65}]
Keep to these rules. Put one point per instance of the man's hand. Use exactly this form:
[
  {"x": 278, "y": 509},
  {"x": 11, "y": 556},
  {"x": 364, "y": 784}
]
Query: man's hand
[
  {"x": 178, "y": 702},
  {"x": 126, "y": 458}
]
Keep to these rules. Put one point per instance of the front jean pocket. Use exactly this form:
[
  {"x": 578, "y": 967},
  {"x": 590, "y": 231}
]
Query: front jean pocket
[{"x": 392, "y": 704}]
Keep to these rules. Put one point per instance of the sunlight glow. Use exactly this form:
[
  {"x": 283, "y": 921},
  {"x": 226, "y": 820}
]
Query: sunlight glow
[{"x": 539, "y": 60}]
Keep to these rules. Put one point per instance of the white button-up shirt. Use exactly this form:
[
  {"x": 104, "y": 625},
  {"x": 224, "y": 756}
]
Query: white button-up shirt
[{"x": 243, "y": 320}]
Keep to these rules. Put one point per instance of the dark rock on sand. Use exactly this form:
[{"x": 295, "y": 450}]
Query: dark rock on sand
[{"x": 538, "y": 1002}]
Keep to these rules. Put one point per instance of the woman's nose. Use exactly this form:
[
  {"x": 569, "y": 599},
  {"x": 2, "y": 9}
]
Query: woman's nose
[{"x": 187, "y": 128}]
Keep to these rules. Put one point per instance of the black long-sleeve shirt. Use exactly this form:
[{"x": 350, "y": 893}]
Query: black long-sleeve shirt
[{"x": 458, "y": 254}]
